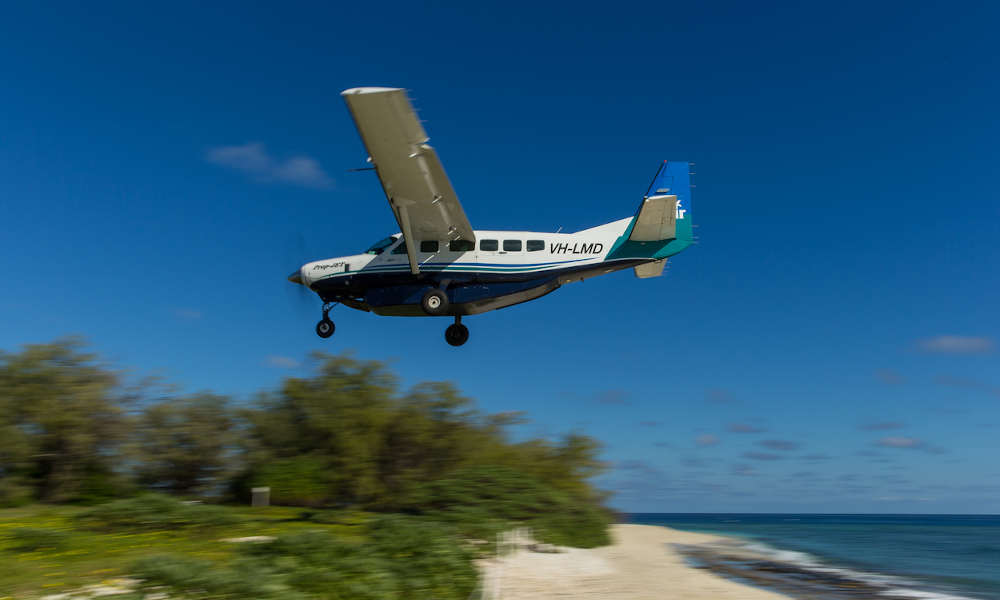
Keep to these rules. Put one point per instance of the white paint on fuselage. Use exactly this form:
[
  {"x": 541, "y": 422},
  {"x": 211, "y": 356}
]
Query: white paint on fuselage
[{"x": 560, "y": 250}]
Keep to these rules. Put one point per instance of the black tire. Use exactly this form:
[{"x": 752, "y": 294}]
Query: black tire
[
  {"x": 456, "y": 334},
  {"x": 435, "y": 302},
  {"x": 325, "y": 328}
]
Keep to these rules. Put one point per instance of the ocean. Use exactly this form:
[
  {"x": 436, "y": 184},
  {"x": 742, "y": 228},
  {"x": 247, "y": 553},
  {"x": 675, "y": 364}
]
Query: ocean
[{"x": 934, "y": 557}]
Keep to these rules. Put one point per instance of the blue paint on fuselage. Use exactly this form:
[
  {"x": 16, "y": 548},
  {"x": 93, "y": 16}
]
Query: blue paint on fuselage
[{"x": 398, "y": 288}]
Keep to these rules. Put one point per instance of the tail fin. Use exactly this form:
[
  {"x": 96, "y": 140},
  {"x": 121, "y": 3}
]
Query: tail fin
[
  {"x": 673, "y": 179},
  {"x": 662, "y": 225}
]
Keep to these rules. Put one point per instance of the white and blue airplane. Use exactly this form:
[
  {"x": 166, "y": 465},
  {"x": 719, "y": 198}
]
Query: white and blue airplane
[{"x": 440, "y": 266}]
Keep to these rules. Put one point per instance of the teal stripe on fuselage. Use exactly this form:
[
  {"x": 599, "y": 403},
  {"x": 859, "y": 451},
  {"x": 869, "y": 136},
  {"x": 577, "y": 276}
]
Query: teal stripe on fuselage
[{"x": 464, "y": 267}]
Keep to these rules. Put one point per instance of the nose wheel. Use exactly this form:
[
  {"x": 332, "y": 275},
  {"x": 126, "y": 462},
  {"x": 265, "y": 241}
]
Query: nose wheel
[
  {"x": 456, "y": 334},
  {"x": 325, "y": 327}
]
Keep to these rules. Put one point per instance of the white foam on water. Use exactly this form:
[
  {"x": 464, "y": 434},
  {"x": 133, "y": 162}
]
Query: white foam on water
[{"x": 896, "y": 587}]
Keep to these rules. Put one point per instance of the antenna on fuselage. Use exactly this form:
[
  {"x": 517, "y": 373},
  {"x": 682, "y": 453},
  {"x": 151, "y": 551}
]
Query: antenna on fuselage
[{"x": 560, "y": 229}]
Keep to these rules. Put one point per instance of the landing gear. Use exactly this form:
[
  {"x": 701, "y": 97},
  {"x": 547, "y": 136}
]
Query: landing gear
[
  {"x": 325, "y": 327},
  {"x": 435, "y": 302},
  {"x": 456, "y": 334}
]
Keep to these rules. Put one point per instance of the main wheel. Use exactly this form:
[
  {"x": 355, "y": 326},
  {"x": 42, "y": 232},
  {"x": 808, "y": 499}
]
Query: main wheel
[
  {"x": 435, "y": 302},
  {"x": 456, "y": 334},
  {"x": 325, "y": 328}
]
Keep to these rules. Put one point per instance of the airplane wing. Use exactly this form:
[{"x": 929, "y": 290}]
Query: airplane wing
[{"x": 421, "y": 197}]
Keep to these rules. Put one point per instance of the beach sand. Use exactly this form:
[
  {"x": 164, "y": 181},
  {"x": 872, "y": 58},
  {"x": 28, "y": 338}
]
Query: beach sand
[{"x": 639, "y": 565}]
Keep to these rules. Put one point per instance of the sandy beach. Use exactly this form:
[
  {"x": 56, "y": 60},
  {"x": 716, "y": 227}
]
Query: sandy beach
[{"x": 639, "y": 565}]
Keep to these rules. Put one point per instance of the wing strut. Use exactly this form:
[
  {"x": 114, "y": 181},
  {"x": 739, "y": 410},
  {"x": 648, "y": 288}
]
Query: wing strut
[{"x": 411, "y": 243}]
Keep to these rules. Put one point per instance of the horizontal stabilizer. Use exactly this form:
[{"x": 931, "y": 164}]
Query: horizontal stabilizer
[
  {"x": 657, "y": 219},
  {"x": 650, "y": 269}
]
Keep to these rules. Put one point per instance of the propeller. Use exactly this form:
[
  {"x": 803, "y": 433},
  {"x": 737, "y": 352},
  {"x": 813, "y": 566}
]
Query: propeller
[{"x": 296, "y": 255}]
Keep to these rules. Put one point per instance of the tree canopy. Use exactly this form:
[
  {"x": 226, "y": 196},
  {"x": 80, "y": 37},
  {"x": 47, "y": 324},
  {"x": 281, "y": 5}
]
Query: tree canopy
[{"x": 345, "y": 436}]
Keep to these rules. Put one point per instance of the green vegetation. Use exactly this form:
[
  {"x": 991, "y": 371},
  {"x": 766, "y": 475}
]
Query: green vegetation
[
  {"x": 87, "y": 556},
  {"x": 341, "y": 443},
  {"x": 154, "y": 512},
  {"x": 401, "y": 558},
  {"x": 29, "y": 539}
]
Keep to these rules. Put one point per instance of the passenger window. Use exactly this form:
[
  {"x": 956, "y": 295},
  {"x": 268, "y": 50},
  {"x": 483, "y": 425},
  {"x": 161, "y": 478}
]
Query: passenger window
[
  {"x": 512, "y": 245},
  {"x": 429, "y": 246},
  {"x": 400, "y": 249},
  {"x": 489, "y": 245},
  {"x": 461, "y": 246},
  {"x": 535, "y": 245}
]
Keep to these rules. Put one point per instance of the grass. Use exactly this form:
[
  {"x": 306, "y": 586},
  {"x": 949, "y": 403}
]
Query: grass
[{"x": 46, "y": 550}]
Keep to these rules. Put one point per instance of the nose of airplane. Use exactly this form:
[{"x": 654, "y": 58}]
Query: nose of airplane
[{"x": 296, "y": 277}]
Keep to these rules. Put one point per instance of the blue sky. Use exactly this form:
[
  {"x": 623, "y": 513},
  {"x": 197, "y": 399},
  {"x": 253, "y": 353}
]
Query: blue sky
[{"x": 829, "y": 345}]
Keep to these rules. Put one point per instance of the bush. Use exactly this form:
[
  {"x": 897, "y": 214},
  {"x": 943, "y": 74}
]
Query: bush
[
  {"x": 29, "y": 539},
  {"x": 153, "y": 512},
  {"x": 296, "y": 481},
  {"x": 481, "y": 501},
  {"x": 13, "y": 492},
  {"x": 581, "y": 526},
  {"x": 404, "y": 558},
  {"x": 427, "y": 558},
  {"x": 197, "y": 578}
]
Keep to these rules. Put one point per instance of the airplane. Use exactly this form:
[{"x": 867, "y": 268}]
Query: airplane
[{"x": 438, "y": 265}]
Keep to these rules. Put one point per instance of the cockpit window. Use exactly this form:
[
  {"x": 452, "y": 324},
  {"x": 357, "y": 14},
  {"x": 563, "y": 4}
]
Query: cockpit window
[
  {"x": 380, "y": 246},
  {"x": 400, "y": 249}
]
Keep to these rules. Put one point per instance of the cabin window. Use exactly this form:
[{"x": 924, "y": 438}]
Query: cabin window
[
  {"x": 489, "y": 245},
  {"x": 461, "y": 246},
  {"x": 400, "y": 249},
  {"x": 512, "y": 245},
  {"x": 380, "y": 246},
  {"x": 535, "y": 245},
  {"x": 429, "y": 246}
]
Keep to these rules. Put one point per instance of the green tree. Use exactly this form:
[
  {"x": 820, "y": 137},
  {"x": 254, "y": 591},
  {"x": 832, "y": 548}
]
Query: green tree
[
  {"x": 62, "y": 421},
  {"x": 186, "y": 445},
  {"x": 337, "y": 417}
]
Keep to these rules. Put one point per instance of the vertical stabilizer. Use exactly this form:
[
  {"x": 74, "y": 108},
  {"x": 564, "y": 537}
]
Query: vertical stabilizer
[{"x": 662, "y": 225}]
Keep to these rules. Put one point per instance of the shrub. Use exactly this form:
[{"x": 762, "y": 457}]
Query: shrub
[
  {"x": 404, "y": 558},
  {"x": 296, "y": 481},
  {"x": 13, "y": 492},
  {"x": 197, "y": 578},
  {"x": 428, "y": 558},
  {"x": 154, "y": 511},
  {"x": 29, "y": 539},
  {"x": 481, "y": 501}
]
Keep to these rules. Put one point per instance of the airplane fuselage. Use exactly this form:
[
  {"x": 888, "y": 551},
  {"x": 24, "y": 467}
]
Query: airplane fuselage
[{"x": 500, "y": 269}]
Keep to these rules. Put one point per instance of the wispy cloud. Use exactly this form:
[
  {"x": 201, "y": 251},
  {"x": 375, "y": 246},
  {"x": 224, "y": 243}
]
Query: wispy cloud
[
  {"x": 909, "y": 443},
  {"x": 815, "y": 457},
  {"x": 882, "y": 426},
  {"x": 966, "y": 383},
  {"x": 254, "y": 160},
  {"x": 618, "y": 397},
  {"x": 281, "y": 362},
  {"x": 783, "y": 445},
  {"x": 640, "y": 467},
  {"x": 754, "y": 455},
  {"x": 900, "y": 442},
  {"x": 889, "y": 377},
  {"x": 744, "y": 428},
  {"x": 187, "y": 314},
  {"x": 718, "y": 396},
  {"x": 706, "y": 439},
  {"x": 957, "y": 344}
]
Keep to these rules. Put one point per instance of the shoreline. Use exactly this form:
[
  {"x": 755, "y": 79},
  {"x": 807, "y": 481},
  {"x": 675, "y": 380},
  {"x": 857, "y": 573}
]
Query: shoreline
[{"x": 640, "y": 564}]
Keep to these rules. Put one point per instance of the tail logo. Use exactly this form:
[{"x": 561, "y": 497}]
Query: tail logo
[{"x": 680, "y": 210}]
